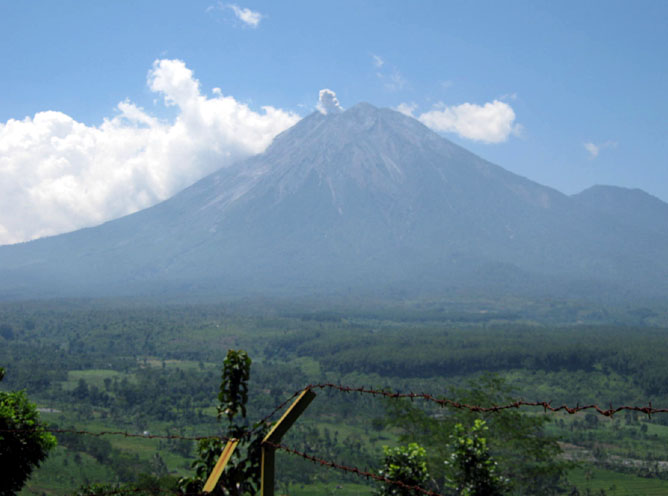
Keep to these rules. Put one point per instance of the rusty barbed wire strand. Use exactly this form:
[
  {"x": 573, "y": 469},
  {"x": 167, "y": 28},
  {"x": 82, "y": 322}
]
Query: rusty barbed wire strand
[
  {"x": 445, "y": 402},
  {"x": 126, "y": 434},
  {"x": 278, "y": 408},
  {"x": 353, "y": 470}
]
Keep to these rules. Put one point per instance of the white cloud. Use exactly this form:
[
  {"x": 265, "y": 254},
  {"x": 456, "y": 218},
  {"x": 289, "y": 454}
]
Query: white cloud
[
  {"x": 492, "y": 122},
  {"x": 509, "y": 96},
  {"x": 393, "y": 80},
  {"x": 57, "y": 174},
  {"x": 391, "y": 77},
  {"x": 407, "y": 108},
  {"x": 594, "y": 149},
  {"x": 247, "y": 16},
  {"x": 328, "y": 103}
]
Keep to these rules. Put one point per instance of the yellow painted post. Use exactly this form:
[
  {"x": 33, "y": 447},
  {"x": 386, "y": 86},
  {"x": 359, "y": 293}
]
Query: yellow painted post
[
  {"x": 217, "y": 471},
  {"x": 267, "y": 477},
  {"x": 275, "y": 435}
]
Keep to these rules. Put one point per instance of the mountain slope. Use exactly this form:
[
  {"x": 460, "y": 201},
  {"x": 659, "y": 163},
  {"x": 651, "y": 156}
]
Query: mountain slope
[
  {"x": 632, "y": 207},
  {"x": 365, "y": 199}
]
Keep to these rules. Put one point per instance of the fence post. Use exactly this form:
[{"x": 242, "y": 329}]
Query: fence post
[
  {"x": 217, "y": 471},
  {"x": 267, "y": 476}
]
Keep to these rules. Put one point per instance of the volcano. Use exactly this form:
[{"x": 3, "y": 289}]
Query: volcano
[{"x": 366, "y": 200}]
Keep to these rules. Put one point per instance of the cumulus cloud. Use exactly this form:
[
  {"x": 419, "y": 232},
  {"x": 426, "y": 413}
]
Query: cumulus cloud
[
  {"x": 594, "y": 149},
  {"x": 247, "y": 16},
  {"x": 328, "y": 103},
  {"x": 407, "y": 108},
  {"x": 57, "y": 174},
  {"x": 492, "y": 122}
]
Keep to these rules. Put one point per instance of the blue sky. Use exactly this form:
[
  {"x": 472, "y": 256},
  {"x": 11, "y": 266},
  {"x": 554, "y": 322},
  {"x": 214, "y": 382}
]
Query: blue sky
[{"x": 575, "y": 91}]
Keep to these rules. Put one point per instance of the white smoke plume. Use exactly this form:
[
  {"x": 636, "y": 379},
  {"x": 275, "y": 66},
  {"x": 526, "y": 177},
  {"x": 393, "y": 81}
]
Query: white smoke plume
[{"x": 328, "y": 103}]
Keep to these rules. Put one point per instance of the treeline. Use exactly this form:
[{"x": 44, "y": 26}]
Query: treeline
[{"x": 421, "y": 352}]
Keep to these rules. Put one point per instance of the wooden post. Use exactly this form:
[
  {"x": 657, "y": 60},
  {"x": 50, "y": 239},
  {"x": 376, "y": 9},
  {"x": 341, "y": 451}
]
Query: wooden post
[
  {"x": 267, "y": 477},
  {"x": 274, "y": 437},
  {"x": 217, "y": 471}
]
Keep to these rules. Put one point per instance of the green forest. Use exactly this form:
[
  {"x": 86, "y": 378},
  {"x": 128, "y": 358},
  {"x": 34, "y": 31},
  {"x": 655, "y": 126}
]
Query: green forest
[{"x": 155, "y": 370}]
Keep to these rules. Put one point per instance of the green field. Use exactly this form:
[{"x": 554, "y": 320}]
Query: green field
[
  {"x": 615, "y": 483},
  {"x": 157, "y": 371}
]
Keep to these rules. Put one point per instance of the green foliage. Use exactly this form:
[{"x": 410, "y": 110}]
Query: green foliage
[
  {"x": 405, "y": 464},
  {"x": 233, "y": 394},
  {"x": 107, "y": 490},
  {"x": 141, "y": 370},
  {"x": 242, "y": 473},
  {"x": 526, "y": 456},
  {"x": 147, "y": 485},
  {"x": 472, "y": 471},
  {"x": 25, "y": 448}
]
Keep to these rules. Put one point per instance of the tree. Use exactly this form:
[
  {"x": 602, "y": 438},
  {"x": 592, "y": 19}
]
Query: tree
[
  {"x": 472, "y": 471},
  {"x": 406, "y": 464},
  {"x": 242, "y": 473},
  {"x": 24, "y": 443},
  {"x": 146, "y": 485},
  {"x": 527, "y": 457}
]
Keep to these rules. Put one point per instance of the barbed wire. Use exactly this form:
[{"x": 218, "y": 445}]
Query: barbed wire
[
  {"x": 648, "y": 410},
  {"x": 127, "y": 434},
  {"x": 353, "y": 470},
  {"x": 278, "y": 408},
  {"x": 445, "y": 402}
]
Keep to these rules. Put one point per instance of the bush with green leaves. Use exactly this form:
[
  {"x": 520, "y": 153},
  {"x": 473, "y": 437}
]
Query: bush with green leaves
[
  {"x": 146, "y": 485},
  {"x": 405, "y": 464},
  {"x": 242, "y": 473},
  {"x": 24, "y": 443},
  {"x": 526, "y": 455},
  {"x": 471, "y": 469}
]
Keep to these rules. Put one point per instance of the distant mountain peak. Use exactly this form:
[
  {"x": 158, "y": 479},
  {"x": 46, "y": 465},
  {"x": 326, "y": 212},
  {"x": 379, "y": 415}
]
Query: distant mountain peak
[
  {"x": 362, "y": 107},
  {"x": 359, "y": 198},
  {"x": 631, "y": 206}
]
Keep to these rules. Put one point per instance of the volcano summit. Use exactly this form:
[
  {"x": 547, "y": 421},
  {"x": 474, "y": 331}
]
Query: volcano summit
[{"x": 366, "y": 200}]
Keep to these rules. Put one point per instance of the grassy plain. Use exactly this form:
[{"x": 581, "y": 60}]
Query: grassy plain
[{"x": 157, "y": 370}]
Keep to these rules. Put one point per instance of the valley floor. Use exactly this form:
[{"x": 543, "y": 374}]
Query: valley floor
[{"x": 156, "y": 371}]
